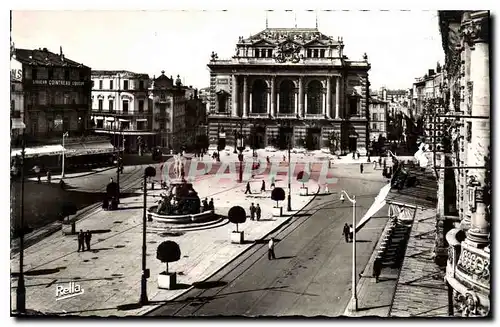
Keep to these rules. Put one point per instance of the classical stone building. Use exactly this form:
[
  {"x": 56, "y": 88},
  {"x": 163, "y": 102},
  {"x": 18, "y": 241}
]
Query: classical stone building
[
  {"x": 465, "y": 183},
  {"x": 289, "y": 84},
  {"x": 378, "y": 111},
  {"x": 121, "y": 108}
]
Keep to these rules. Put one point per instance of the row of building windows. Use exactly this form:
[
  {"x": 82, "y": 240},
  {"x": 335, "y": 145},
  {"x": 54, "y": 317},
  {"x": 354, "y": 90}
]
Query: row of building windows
[
  {"x": 125, "y": 125},
  {"x": 315, "y": 53},
  {"x": 55, "y": 73},
  {"x": 263, "y": 53},
  {"x": 125, "y": 85},
  {"x": 311, "y": 53},
  {"x": 125, "y": 103},
  {"x": 44, "y": 98}
]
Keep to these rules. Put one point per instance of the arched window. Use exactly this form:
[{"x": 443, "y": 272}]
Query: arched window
[
  {"x": 287, "y": 97},
  {"x": 259, "y": 97},
  {"x": 222, "y": 101},
  {"x": 314, "y": 97}
]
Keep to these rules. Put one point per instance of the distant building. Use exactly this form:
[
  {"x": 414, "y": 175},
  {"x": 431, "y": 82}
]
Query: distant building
[
  {"x": 378, "y": 110},
  {"x": 289, "y": 86},
  {"x": 50, "y": 94},
  {"x": 425, "y": 88},
  {"x": 121, "y": 108}
]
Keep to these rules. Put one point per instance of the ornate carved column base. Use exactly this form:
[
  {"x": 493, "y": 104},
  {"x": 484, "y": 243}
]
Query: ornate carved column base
[{"x": 477, "y": 238}]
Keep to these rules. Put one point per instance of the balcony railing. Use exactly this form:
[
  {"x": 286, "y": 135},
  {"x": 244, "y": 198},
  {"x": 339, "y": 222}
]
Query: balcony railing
[
  {"x": 287, "y": 115},
  {"x": 258, "y": 115}
]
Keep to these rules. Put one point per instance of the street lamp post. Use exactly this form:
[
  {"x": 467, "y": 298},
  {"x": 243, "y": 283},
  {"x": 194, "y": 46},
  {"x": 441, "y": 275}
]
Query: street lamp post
[
  {"x": 63, "y": 150},
  {"x": 354, "y": 297},
  {"x": 148, "y": 172},
  {"x": 242, "y": 145},
  {"x": 21, "y": 289},
  {"x": 289, "y": 174}
]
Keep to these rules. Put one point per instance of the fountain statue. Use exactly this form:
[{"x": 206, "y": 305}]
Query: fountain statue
[{"x": 180, "y": 199}]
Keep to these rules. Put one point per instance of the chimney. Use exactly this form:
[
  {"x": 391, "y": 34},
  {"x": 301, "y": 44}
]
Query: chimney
[{"x": 431, "y": 72}]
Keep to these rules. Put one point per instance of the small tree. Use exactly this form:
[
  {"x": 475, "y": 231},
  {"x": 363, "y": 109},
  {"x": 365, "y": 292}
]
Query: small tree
[
  {"x": 278, "y": 194},
  {"x": 168, "y": 251},
  {"x": 302, "y": 177},
  {"x": 237, "y": 215}
]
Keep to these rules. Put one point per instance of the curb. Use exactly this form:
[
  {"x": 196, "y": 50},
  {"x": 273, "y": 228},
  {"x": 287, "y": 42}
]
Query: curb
[
  {"x": 286, "y": 221},
  {"x": 50, "y": 229}
]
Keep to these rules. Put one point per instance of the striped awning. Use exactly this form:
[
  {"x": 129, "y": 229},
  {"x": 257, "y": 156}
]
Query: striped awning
[{"x": 46, "y": 150}]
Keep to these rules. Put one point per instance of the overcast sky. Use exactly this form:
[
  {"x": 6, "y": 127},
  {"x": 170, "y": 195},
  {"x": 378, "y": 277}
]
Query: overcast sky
[{"x": 400, "y": 45}]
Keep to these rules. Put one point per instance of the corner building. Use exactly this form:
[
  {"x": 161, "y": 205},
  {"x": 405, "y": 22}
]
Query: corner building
[{"x": 289, "y": 84}]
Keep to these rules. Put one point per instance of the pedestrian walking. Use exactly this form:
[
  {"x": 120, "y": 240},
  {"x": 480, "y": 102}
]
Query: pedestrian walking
[
  {"x": 36, "y": 169},
  {"x": 273, "y": 180},
  {"x": 211, "y": 204},
  {"x": 252, "y": 212},
  {"x": 361, "y": 168},
  {"x": 385, "y": 163},
  {"x": 380, "y": 161},
  {"x": 351, "y": 232},
  {"x": 284, "y": 158},
  {"x": 377, "y": 268},
  {"x": 345, "y": 232},
  {"x": 88, "y": 237},
  {"x": 268, "y": 160},
  {"x": 270, "y": 252},
  {"x": 205, "y": 204},
  {"x": 263, "y": 187},
  {"x": 49, "y": 176},
  {"x": 374, "y": 165},
  {"x": 248, "y": 189},
  {"x": 258, "y": 212},
  {"x": 81, "y": 237}
]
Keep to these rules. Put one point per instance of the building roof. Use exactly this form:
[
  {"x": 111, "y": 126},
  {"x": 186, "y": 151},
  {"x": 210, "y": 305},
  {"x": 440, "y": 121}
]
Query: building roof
[
  {"x": 43, "y": 57},
  {"x": 118, "y": 72},
  {"x": 301, "y": 36},
  {"x": 377, "y": 101}
]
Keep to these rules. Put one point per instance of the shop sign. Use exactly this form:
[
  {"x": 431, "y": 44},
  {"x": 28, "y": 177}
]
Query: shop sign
[{"x": 56, "y": 82}]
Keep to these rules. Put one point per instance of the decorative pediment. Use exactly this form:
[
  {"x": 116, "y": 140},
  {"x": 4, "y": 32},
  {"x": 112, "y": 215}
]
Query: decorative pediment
[
  {"x": 222, "y": 92},
  {"x": 111, "y": 97},
  {"x": 126, "y": 97},
  {"x": 314, "y": 42},
  {"x": 100, "y": 97},
  {"x": 264, "y": 43}
]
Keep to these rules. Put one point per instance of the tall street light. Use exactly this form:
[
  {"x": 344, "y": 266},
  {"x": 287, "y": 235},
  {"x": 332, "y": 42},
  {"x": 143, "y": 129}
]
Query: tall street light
[
  {"x": 354, "y": 297},
  {"x": 63, "y": 150},
  {"x": 148, "y": 172},
  {"x": 289, "y": 173},
  {"x": 21, "y": 289}
]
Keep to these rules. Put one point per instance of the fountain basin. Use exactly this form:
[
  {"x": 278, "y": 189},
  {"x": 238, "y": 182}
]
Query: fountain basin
[{"x": 181, "y": 219}]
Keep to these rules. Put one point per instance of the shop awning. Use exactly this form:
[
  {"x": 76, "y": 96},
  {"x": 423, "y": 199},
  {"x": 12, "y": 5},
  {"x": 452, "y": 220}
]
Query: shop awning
[
  {"x": 124, "y": 120},
  {"x": 110, "y": 119},
  {"x": 378, "y": 203},
  {"x": 141, "y": 119},
  {"x": 46, "y": 150},
  {"x": 83, "y": 149},
  {"x": 99, "y": 118}
]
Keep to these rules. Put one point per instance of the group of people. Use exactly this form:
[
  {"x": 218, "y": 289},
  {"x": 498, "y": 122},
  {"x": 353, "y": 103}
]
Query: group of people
[
  {"x": 84, "y": 239},
  {"x": 348, "y": 232},
  {"x": 208, "y": 205},
  {"x": 255, "y": 212}
]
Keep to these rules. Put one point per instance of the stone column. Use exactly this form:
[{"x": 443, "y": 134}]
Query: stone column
[
  {"x": 273, "y": 96},
  {"x": 328, "y": 96},
  {"x": 301, "y": 97},
  {"x": 269, "y": 107},
  {"x": 245, "y": 96},
  {"x": 296, "y": 107},
  {"x": 235, "y": 96},
  {"x": 323, "y": 103},
  {"x": 337, "y": 98},
  {"x": 476, "y": 35}
]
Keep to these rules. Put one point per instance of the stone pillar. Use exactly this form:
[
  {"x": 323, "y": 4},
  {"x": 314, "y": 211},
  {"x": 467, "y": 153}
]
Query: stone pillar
[
  {"x": 296, "y": 101},
  {"x": 250, "y": 103},
  {"x": 328, "y": 96},
  {"x": 323, "y": 103},
  {"x": 235, "y": 96},
  {"x": 245, "y": 96},
  {"x": 269, "y": 107},
  {"x": 337, "y": 98},
  {"x": 301, "y": 97},
  {"x": 273, "y": 96},
  {"x": 476, "y": 35}
]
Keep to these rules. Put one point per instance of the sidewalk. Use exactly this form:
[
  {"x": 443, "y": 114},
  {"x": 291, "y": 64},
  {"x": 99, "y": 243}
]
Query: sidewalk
[
  {"x": 110, "y": 273},
  {"x": 72, "y": 175}
]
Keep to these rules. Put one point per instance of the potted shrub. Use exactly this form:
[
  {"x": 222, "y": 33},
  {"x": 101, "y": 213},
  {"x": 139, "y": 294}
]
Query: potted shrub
[
  {"x": 278, "y": 194},
  {"x": 166, "y": 252},
  {"x": 303, "y": 178},
  {"x": 237, "y": 215},
  {"x": 68, "y": 225}
]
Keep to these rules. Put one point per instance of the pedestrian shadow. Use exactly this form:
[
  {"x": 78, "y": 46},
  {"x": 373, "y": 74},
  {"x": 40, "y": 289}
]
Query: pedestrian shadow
[
  {"x": 373, "y": 307},
  {"x": 98, "y": 250},
  {"x": 100, "y": 231},
  {"x": 362, "y": 241},
  {"x": 265, "y": 241},
  {"x": 298, "y": 215},
  {"x": 285, "y": 257},
  {"x": 267, "y": 219},
  {"x": 39, "y": 272}
]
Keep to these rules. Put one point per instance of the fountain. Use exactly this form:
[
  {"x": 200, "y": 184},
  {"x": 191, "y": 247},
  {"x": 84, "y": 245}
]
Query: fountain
[{"x": 180, "y": 203}]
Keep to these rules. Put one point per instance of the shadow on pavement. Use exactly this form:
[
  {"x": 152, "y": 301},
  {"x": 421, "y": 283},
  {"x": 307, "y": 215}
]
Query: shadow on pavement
[
  {"x": 374, "y": 307},
  {"x": 126, "y": 208},
  {"x": 285, "y": 257},
  {"x": 100, "y": 231},
  {"x": 209, "y": 284},
  {"x": 363, "y": 241},
  {"x": 39, "y": 272},
  {"x": 100, "y": 249}
]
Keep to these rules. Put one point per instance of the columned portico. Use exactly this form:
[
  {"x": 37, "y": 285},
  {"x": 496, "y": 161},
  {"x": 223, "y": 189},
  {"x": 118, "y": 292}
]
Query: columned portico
[
  {"x": 337, "y": 98},
  {"x": 235, "y": 96},
  {"x": 245, "y": 96},
  {"x": 273, "y": 96},
  {"x": 328, "y": 96}
]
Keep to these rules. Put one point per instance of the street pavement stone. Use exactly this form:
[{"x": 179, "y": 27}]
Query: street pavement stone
[{"x": 110, "y": 273}]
